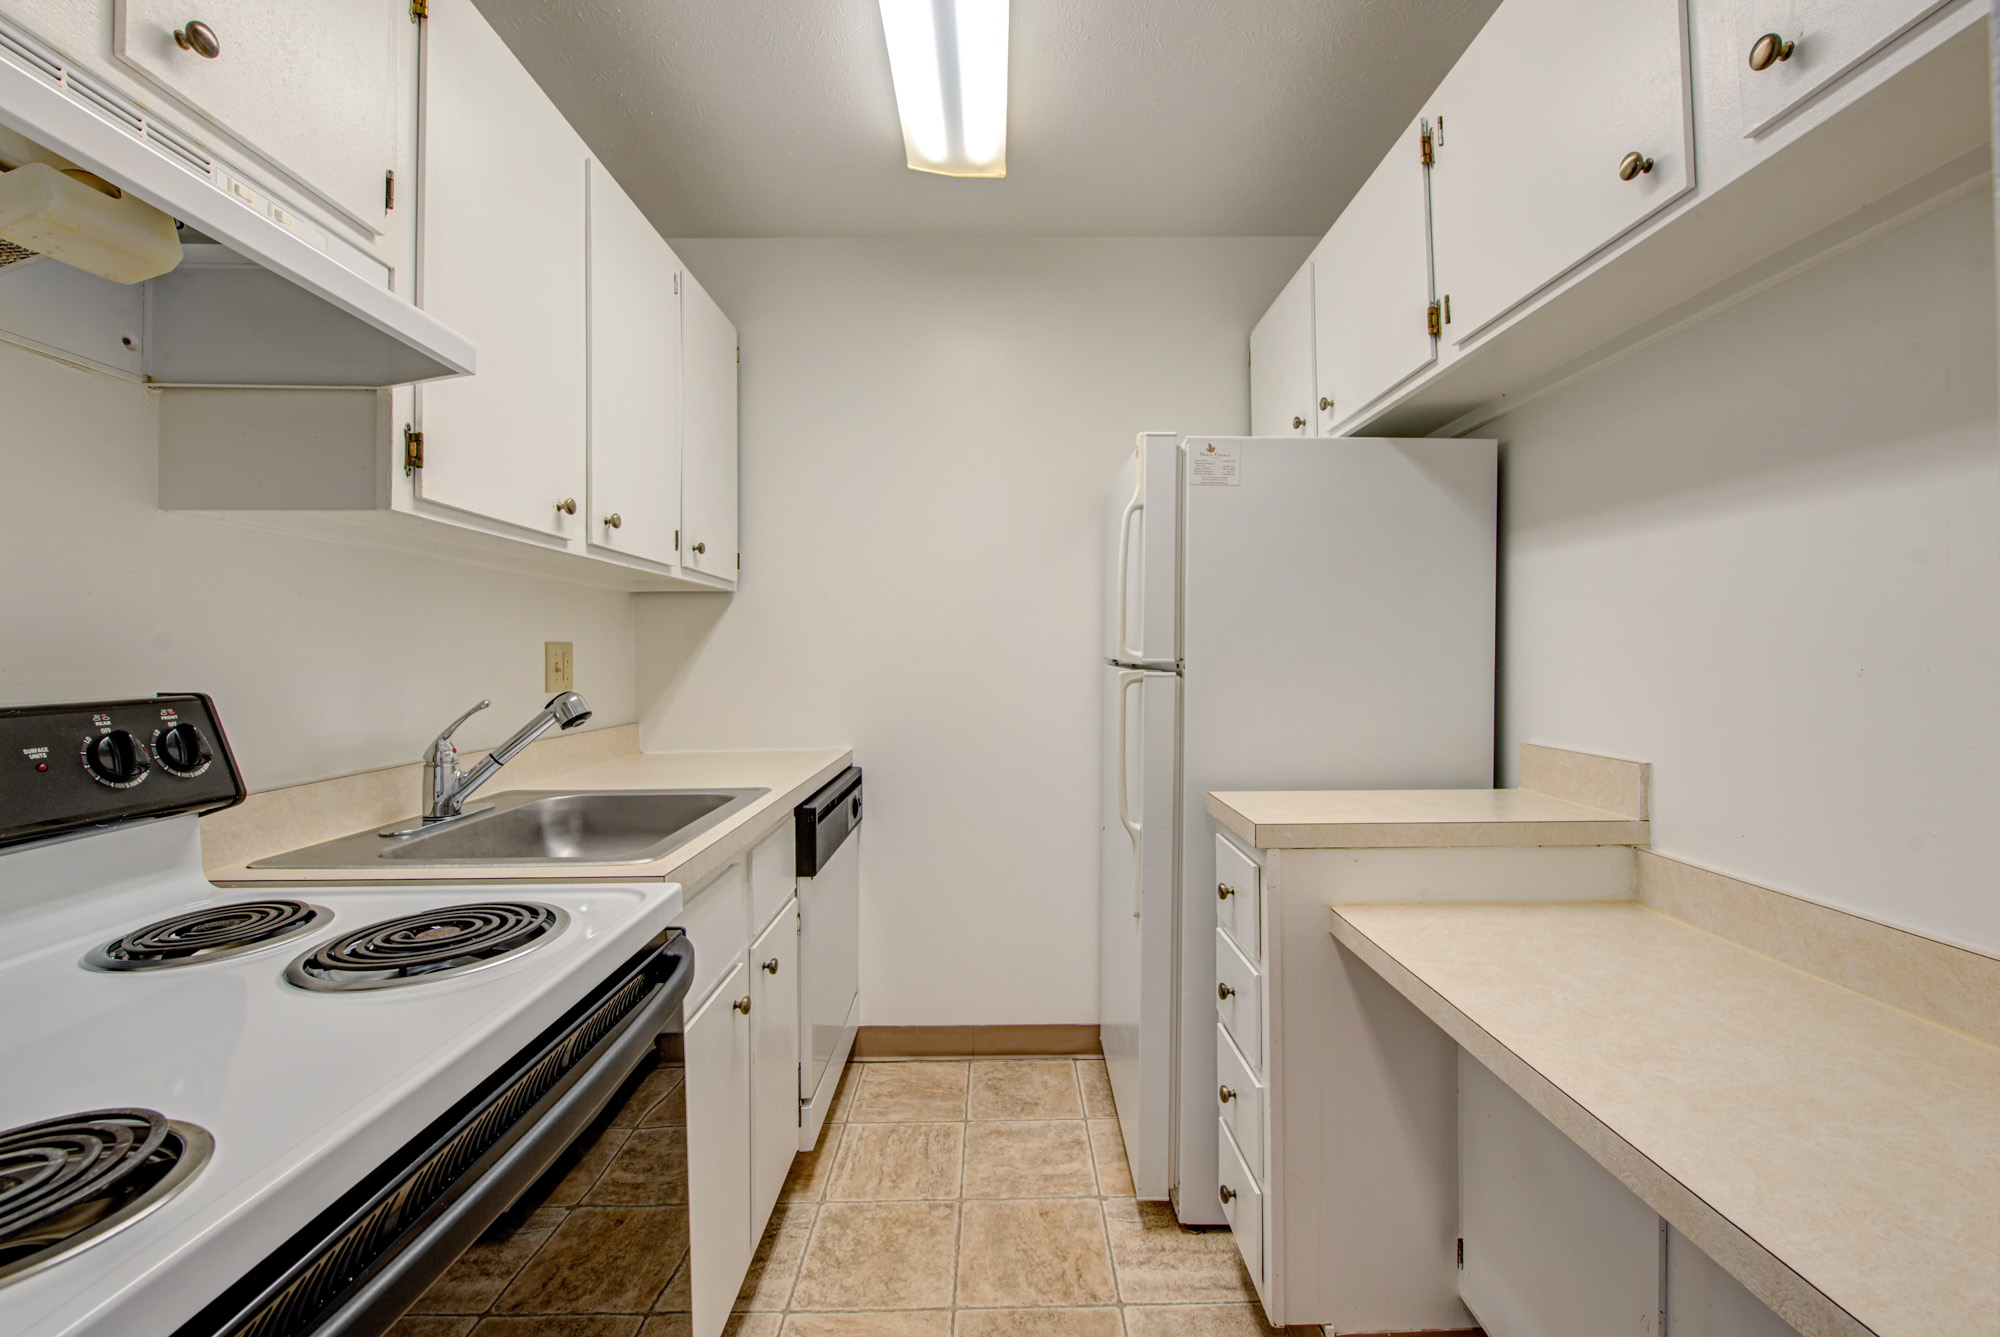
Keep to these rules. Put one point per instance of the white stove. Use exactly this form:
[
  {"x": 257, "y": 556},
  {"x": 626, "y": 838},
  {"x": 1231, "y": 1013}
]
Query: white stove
[{"x": 374, "y": 1094}]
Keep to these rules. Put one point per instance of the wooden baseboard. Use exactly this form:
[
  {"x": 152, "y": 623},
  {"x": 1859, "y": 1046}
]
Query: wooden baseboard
[{"x": 888, "y": 1042}]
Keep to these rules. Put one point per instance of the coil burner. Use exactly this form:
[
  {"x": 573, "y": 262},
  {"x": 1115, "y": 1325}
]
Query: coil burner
[
  {"x": 433, "y": 944},
  {"x": 207, "y": 935},
  {"x": 67, "y": 1183}
]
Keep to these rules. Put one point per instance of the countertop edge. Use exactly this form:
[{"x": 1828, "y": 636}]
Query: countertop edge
[
  {"x": 1762, "y": 1272},
  {"x": 1427, "y": 835}
]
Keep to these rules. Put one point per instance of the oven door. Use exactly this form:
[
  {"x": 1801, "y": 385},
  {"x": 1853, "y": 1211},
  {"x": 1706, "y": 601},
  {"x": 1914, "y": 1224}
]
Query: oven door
[{"x": 366, "y": 1259}]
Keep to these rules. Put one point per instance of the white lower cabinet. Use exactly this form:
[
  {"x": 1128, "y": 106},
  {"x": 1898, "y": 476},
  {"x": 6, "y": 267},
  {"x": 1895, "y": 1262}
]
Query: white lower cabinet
[
  {"x": 1554, "y": 1245},
  {"x": 717, "y": 1042},
  {"x": 1242, "y": 1203},
  {"x": 774, "y": 1060}
]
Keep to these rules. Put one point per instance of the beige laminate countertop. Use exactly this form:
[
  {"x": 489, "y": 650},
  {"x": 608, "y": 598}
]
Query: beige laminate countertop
[
  {"x": 790, "y": 776},
  {"x": 1838, "y": 1155},
  {"x": 1382, "y": 818}
]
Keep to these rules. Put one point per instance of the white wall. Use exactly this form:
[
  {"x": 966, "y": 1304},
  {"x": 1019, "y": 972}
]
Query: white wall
[
  {"x": 928, "y": 428},
  {"x": 323, "y": 658},
  {"x": 1763, "y": 555}
]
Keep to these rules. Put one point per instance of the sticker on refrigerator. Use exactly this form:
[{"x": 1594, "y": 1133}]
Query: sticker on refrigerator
[{"x": 1215, "y": 464}]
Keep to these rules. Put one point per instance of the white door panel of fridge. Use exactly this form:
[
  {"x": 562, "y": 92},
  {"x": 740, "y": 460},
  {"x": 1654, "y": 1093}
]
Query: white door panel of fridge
[
  {"x": 1337, "y": 614},
  {"x": 1142, "y": 549},
  {"x": 1136, "y": 912}
]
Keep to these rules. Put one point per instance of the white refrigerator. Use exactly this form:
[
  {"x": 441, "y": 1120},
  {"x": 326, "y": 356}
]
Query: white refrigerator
[{"x": 1280, "y": 613}]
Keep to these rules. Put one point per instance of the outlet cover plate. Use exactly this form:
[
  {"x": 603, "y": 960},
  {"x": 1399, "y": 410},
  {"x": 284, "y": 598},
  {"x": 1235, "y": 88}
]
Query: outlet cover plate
[{"x": 558, "y": 666}]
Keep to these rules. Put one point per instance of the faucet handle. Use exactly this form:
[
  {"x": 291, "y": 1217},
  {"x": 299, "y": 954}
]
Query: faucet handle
[{"x": 443, "y": 740}]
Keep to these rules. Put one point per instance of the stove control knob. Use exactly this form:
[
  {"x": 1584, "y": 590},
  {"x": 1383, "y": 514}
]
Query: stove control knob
[
  {"x": 182, "y": 750},
  {"x": 115, "y": 759}
]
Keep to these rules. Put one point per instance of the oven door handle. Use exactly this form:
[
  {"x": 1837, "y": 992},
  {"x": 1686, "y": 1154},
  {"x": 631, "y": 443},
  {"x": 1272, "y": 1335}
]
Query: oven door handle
[{"x": 374, "y": 1309}]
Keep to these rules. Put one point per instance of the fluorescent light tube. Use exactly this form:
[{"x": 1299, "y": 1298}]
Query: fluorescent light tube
[{"x": 949, "y": 61}]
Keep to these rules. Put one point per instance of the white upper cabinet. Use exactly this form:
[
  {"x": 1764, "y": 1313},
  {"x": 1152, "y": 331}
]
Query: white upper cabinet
[
  {"x": 501, "y": 258},
  {"x": 1281, "y": 362},
  {"x": 1372, "y": 289},
  {"x": 1534, "y": 128},
  {"x": 708, "y": 442},
  {"x": 635, "y": 378},
  {"x": 1810, "y": 44},
  {"x": 310, "y": 86}
]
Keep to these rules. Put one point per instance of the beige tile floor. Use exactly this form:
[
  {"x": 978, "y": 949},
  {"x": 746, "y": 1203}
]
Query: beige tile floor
[{"x": 984, "y": 1198}]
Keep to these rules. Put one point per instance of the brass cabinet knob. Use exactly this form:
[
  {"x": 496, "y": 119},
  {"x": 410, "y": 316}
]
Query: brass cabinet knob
[
  {"x": 1227, "y": 1094},
  {"x": 567, "y": 505},
  {"x": 614, "y": 521},
  {"x": 1224, "y": 992},
  {"x": 1768, "y": 50},
  {"x": 199, "y": 38},
  {"x": 771, "y": 966},
  {"x": 1634, "y": 165},
  {"x": 701, "y": 547},
  {"x": 742, "y": 1005},
  {"x": 1325, "y": 404},
  {"x": 1227, "y": 1194},
  {"x": 1298, "y": 423},
  {"x": 1223, "y": 891}
]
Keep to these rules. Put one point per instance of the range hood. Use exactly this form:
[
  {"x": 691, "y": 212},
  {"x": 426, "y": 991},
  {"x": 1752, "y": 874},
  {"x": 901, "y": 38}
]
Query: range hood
[{"x": 266, "y": 298}]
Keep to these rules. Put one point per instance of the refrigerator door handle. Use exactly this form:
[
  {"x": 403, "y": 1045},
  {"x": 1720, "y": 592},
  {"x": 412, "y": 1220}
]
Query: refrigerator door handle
[
  {"x": 1127, "y": 680},
  {"x": 1133, "y": 507}
]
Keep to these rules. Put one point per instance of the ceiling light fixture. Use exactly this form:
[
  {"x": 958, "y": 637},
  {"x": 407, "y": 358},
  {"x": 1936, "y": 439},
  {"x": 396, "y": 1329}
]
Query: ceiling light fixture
[{"x": 949, "y": 61}]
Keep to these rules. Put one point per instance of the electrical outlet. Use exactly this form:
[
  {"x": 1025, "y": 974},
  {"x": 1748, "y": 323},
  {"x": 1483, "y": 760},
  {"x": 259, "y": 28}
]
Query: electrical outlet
[{"x": 558, "y": 666}]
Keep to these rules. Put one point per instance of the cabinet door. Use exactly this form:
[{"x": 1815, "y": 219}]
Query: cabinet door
[
  {"x": 708, "y": 449},
  {"x": 501, "y": 258},
  {"x": 1825, "y": 39},
  {"x": 1281, "y": 362},
  {"x": 635, "y": 378},
  {"x": 1532, "y": 125},
  {"x": 1372, "y": 287},
  {"x": 312, "y": 87},
  {"x": 774, "y": 1063},
  {"x": 717, "y": 1043}
]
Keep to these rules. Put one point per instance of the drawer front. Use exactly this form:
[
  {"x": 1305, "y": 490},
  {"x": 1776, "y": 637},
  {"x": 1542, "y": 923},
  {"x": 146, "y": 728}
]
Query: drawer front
[
  {"x": 773, "y": 867},
  {"x": 1238, "y": 897},
  {"x": 1238, "y": 999},
  {"x": 1241, "y": 1099},
  {"x": 1242, "y": 1204},
  {"x": 717, "y": 921}
]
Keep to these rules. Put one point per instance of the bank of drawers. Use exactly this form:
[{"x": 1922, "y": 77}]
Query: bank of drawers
[{"x": 1240, "y": 1049}]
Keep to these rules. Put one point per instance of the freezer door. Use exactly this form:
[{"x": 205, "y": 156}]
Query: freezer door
[
  {"x": 1142, "y": 553},
  {"x": 1338, "y": 633},
  {"x": 1136, "y": 913}
]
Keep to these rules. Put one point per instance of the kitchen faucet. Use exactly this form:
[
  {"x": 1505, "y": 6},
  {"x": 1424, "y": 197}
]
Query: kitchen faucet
[{"x": 446, "y": 788}]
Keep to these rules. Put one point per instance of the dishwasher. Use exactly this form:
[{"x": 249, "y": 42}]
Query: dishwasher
[{"x": 828, "y": 826}]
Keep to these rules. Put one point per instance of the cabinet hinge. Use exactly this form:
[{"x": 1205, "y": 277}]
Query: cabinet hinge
[
  {"x": 419, "y": 9},
  {"x": 1447, "y": 308},
  {"x": 413, "y": 450},
  {"x": 739, "y": 355},
  {"x": 1461, "y": 1253},
  {"x": 677, "y": 540},
  {"x": 1424, "y": 145},
  {"x": 739, "y": 561},
  {"x": 677, "y": 285},
  {"x": 388, "y": 190},
  {"x": 1433, "y": 319}
]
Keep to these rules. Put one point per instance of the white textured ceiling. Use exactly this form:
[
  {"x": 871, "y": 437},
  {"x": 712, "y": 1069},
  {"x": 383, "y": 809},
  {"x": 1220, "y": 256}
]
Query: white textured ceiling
[{"x": 757, "y": 118}]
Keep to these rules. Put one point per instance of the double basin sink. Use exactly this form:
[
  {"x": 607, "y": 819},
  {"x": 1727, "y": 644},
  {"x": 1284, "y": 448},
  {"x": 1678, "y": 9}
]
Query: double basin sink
[{"x": 530, "y": 827}]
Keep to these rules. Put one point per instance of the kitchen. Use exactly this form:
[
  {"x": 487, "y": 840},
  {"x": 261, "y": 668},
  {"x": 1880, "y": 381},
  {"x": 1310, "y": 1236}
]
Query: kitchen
[{"x": 1743, "y": 541}]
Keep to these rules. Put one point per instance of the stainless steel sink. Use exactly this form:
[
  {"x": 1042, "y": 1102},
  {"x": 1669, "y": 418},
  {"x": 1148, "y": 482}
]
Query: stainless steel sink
[{"x": 530, "y": 827}]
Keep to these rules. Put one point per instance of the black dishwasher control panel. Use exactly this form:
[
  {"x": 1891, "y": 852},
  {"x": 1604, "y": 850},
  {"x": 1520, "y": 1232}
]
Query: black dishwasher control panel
[
  {"x": 826, "y": 819},
  {"x": 74, "y": 767}
]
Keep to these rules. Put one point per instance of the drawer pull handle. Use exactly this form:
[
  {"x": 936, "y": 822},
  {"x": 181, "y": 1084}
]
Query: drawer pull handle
[
  {"x": 567, "y": 505},
  {"x": 742, "y": 1005},
  {"x": 1224, "y": 992},
  {"x": 1227, "y": 1095},
  {"x": 771, "y": 966},
  {"x": 1633, "y": 166},
  {"x": 1297, "y": 423},
  {"x": 1223, "y": 891},
  {"x": 1768, "y": 50},
  {"x": 614, "y": 521},
  {"x": 701, "y": 547},
  {"x": 1227, "y": 1194},
  {"x": 199, "y": 38},
  {"x": 1325, "y": 404}
]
